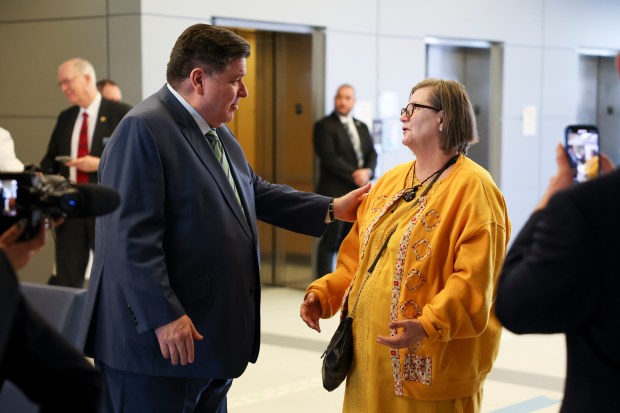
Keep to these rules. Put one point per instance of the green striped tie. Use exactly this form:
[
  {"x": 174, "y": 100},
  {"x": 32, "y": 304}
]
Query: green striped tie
[{"x": 216, "y": 144}]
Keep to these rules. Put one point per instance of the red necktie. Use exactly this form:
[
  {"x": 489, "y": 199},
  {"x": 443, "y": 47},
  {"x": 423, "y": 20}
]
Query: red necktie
[{"x": 82, "y": 177}]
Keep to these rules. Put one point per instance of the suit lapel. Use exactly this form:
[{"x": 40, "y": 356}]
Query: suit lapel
[
  {"x": 203, "y": 150},
  {"x": 238, "y": 167}
]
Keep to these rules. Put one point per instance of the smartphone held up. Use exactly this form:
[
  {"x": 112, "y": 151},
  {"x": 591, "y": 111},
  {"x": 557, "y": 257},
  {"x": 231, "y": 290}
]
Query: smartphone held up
[{"x": 582, "y": 145}]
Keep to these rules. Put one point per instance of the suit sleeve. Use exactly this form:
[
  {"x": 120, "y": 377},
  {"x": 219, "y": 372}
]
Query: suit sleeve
[
  {"x": 543, "y": 287},
  {"x": 287, "y": 208},
  {"x": 133, "y": 167},
  {"x": 370, "y": 155},
  {"x": 331, "y": 160}
]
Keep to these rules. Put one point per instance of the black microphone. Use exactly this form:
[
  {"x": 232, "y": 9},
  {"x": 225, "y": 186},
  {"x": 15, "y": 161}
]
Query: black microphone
[{"x": 90, "y": 200}]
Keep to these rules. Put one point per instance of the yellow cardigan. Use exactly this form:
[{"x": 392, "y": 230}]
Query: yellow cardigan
[{"x": 440, "y": 266}]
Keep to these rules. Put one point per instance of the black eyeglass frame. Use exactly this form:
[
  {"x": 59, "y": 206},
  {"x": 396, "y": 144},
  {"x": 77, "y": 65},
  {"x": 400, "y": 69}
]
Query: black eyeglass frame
[{"x": 414, "y": 106}]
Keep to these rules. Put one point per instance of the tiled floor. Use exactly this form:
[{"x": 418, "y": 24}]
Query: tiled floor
[{"x": 528, "y": 374}]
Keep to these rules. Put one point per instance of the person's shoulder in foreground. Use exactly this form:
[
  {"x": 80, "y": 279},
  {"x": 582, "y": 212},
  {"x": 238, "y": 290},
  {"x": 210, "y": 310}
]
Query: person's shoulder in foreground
[{"x": 560, "y": 276}]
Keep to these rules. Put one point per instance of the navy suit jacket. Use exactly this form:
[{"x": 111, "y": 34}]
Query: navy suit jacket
[
  {"x": 180, "y": 244},
  {"x": 561, "y": 275},
  {"x": 337, "y": 158},
  {"x": 109, "y": 116}
]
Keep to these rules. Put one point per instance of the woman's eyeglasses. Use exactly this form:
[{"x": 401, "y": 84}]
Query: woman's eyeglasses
[{"x": 410, "y": 108}]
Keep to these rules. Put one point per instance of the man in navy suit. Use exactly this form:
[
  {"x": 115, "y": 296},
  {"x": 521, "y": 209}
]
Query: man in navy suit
[
  {"x": 172, "y": 312},
  {"x": 347, "y": 159},
  {"x": 75, "y": 238}
]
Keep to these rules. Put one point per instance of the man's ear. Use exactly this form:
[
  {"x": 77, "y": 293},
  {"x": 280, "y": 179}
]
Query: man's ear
[{"x": 197, "y": 78}]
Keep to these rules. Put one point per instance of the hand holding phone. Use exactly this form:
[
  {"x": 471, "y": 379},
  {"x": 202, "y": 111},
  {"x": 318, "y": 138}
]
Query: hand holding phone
[
  {"x": 582, "y": 146},
  {"x": 63, "y": 158}
]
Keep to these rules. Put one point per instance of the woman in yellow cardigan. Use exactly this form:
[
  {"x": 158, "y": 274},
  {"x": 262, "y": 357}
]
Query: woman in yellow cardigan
[{"x": 436, "y": 229}]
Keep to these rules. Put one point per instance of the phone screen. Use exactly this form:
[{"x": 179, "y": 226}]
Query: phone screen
[
  {"x": 16, "y": 203},
  {"x": 582, "y": 148},
  {"x": 9, "y": 197}
]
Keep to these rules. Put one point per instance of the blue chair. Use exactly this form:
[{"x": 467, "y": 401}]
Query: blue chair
[{"x": 62, "y": 307}]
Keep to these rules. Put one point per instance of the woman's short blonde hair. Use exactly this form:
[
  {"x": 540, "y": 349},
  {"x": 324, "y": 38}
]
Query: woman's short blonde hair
[{"x": 459, "y": 122}]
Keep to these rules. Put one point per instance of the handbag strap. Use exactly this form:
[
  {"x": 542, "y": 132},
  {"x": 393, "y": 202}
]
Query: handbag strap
[{"x": 371, "y": 269}]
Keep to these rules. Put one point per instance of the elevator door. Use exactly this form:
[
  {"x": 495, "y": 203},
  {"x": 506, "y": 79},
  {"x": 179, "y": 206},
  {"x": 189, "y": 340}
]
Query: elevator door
[
  {"x": 293, "y": 152},
  {"x": 274, "y": 126},
  {"x": 470, "y": 67},
  {"x": 599, "y": 101},
  {"x": 479, "y": 69}
]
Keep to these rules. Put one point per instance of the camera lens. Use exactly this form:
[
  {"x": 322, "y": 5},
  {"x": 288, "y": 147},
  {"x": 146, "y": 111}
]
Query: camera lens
[{"x": 70, "y": 203}]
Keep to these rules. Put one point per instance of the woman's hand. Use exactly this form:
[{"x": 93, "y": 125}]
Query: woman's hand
[
  {"x": 310, "y": 311},
  {"x": 412, "y": 332}
]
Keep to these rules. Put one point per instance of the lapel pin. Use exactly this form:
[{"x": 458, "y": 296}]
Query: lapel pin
[{"x": 102, "y": 119}]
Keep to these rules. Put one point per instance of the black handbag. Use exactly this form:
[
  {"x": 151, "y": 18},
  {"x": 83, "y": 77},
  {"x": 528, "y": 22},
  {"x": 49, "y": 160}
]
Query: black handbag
[{"x": 338, "y": 355}]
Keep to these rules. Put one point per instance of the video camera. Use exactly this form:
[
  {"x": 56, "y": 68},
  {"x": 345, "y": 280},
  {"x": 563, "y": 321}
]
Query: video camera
[{"x": 32, "y": 196}]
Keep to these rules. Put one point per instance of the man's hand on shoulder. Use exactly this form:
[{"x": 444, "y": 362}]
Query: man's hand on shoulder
[{"x": 345, "y": 207}]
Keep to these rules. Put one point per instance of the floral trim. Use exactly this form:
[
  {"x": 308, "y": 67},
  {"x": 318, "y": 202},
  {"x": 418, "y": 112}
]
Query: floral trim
[
  {"x": 396, "y": 287},
  {"x": 421, "y": 249},
  {"x": 379, "y": 202},
  {"x": 410, "y": 309},
  {"x": 418, "y": 368},
  {"x": 367, "y": 232},
  {"x": 376, "y": 219},
  {"x": 414, "y": 280},
  {"x": 430, "y": 220}
]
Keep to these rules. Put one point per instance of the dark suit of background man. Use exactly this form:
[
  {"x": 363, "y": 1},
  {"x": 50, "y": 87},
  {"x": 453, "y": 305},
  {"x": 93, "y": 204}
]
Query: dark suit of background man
[
  {"x": 75, "y": 238},
  {"x": 347, "y": 159},
  {"x": 172, "y": 311}
]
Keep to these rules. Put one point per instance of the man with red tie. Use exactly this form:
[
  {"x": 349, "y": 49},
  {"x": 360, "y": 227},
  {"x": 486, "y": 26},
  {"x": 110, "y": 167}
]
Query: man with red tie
[{"x": 75, "y": 147}]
